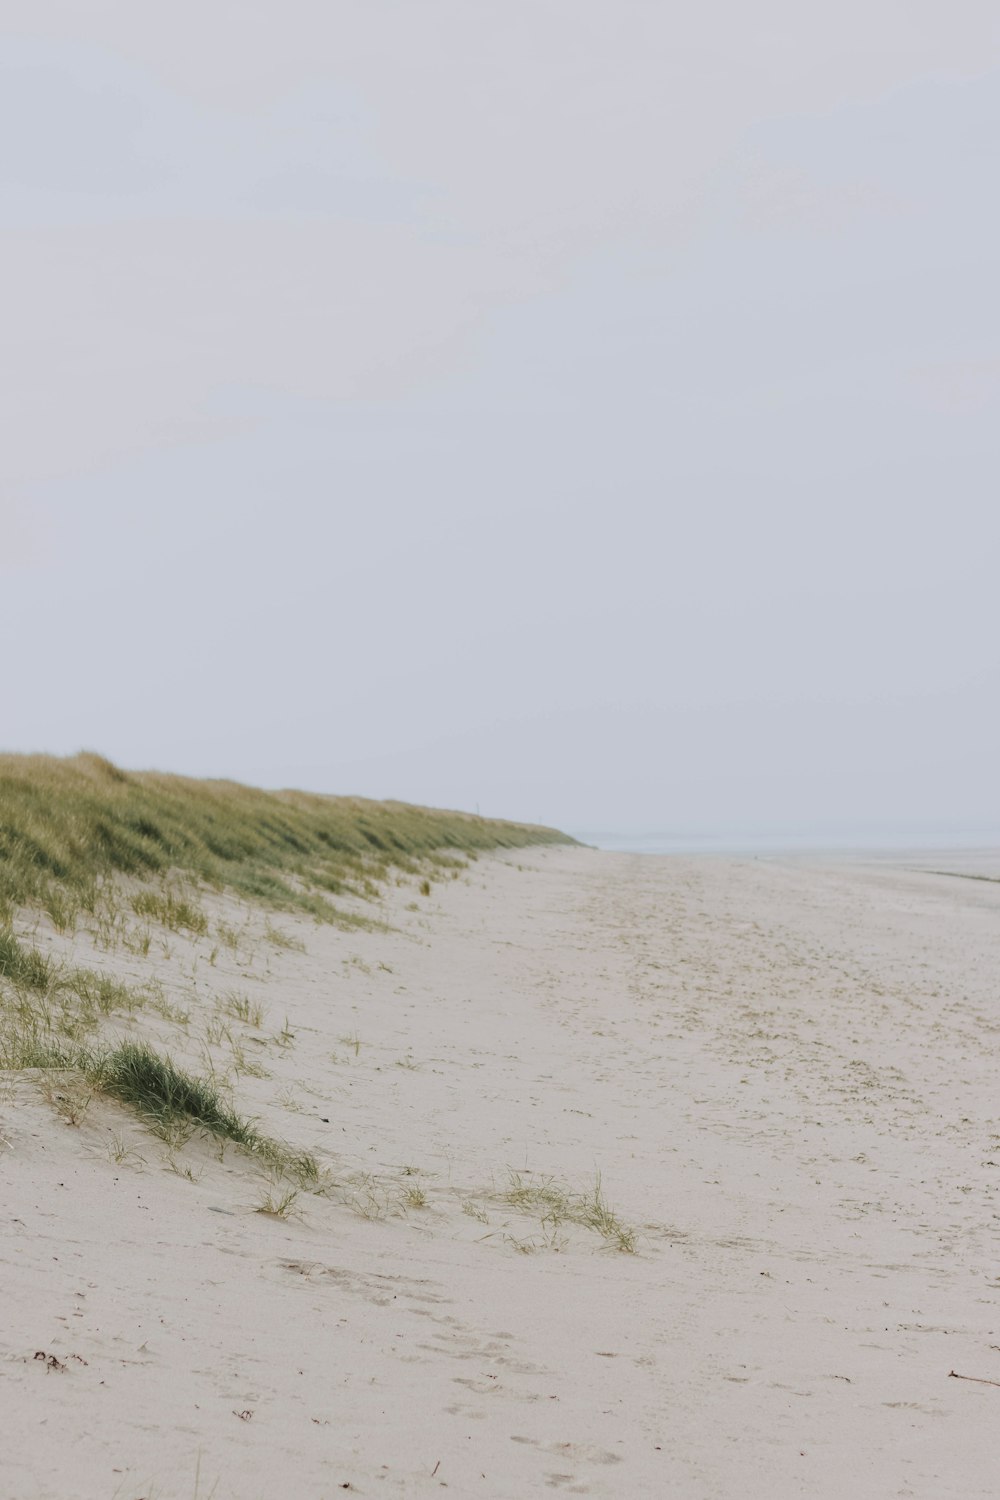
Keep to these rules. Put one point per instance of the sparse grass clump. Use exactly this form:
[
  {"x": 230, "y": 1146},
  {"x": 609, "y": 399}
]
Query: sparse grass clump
[
  {"x": 45, "y": 1006},
  {"x": 104, "y": 993},
  {"x": 278, "y": 1203},
  {"x": 240, "y": 1007},
  {"x": 558, "y": 1205},
  {"x": 279, "y": 939},
  {"x": 70, "y": 1095},
  {"x": 25, "y": 1044}
]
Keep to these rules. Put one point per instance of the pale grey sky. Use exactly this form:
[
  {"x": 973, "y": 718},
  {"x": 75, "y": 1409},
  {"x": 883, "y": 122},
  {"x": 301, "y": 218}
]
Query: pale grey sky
[{"x": 582, "y": 409}]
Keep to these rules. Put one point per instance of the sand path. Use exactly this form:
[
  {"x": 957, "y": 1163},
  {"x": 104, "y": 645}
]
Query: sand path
[{"x": 785, "y": 1074}]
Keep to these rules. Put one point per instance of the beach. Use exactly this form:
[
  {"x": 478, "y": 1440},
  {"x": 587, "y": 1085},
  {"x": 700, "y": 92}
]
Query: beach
[{"x": 643, "y": 1176}]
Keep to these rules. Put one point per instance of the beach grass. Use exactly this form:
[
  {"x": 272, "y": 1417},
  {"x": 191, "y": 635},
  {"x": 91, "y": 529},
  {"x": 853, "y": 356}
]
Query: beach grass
[
  {"x": 556, "y": 1204},
  {"x": 136, "y": 854},
  {"x": 164, "y": 1094},
  {"x": 70, "y": 827},
  {"x": 171, "y": 1102}
]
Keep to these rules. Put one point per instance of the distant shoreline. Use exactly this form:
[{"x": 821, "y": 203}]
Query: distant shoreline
[{"x": 858, "y": 845}]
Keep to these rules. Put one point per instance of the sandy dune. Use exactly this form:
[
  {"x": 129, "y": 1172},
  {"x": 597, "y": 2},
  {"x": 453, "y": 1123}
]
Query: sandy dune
[{"x": 785, "y": 1074}]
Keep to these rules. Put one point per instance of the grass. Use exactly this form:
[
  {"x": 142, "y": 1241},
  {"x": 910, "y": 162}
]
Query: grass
[
  {"x": 241, "y": 1008},
  {"x": 24, "y": 967},
  {"x": 278, "y": 1203},
  {"x": 70, "y": 1096},
  {"x": 70, "y": 827},
  {"x": 557, "y": 1205},
  {"x": 173, "y": 1103},
  {"x": 171, "y": 910},
  {"x": 45, "y": 1005},
  {"x": 134, "y": 854},
  {"x": 279, "y": 939},
  {"x": 120, "y": 1152},
  {"x": 151, "y": 1085}
]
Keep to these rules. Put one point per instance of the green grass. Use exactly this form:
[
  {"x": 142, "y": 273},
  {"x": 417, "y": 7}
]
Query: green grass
[
  {"x": 46, "y": 1006},
  {"x": 24, "y": 967},
  {"x": 172, "y": 1102},
  {"x": 151, "y": 1085},
  {"x": 80, "y": 837},
  {"x": 68, "y": 827},
  {"x": 176, "y": 912}
]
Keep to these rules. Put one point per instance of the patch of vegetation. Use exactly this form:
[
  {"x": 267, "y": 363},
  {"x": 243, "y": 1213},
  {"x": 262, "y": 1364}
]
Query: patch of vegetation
[
  {"x": 177, "y": 912},
  {"x": 278, "y": 1203},
  {"x": 45, "y": 1005},
  {"x": 24, "y": 967},
  {"x": 279, "y": 939},
  {"x": 70, "y": 827},
  {"x": 240, "y": 1007},
  {"x": 137, "y": 1076},
  {"x": 557, "y": 1205},
  {"x": 173, "y": 1103}
]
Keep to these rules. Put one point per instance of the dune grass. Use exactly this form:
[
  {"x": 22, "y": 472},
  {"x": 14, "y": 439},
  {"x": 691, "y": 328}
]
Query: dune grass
[
  {"x": 46, "y": 1006},
  {"x": 48, "y": 1014},
  {"x": 130, "y": 850},
  {"x": 556, "y": 1205},
  {"x": 165, "y": 1095},
  {"x": 24, "y": 967},
  {"x": 68, "y": 827},
  {"x": 171, "y": 1102}
]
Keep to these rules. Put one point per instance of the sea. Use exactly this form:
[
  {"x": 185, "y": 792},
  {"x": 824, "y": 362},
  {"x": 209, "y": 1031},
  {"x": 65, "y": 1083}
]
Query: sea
[{"x": 965, "y": 850}]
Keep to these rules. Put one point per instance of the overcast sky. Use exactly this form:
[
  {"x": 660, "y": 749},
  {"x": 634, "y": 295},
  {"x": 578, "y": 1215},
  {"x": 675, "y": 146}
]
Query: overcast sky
[{"x": 585, "y": 410}]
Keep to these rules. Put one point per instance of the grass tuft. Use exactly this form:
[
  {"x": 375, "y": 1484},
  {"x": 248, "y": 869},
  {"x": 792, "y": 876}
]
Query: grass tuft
[
  {"x": 151, "y": 1085},
  {"x": 24, "y": 967},
  {"x": 557, "y": 1205},
  {"x": 240, "y": 1007},
  {"x": 277, "y": 1203}
]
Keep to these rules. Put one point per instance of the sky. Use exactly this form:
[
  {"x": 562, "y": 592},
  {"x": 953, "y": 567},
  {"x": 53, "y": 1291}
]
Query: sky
[{"x": 578, "y": 410}]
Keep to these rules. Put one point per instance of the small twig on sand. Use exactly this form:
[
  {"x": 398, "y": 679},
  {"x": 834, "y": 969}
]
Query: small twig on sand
[
  {"x": 979, "y": 1379},
  {"x": 435, "y": 1468}
]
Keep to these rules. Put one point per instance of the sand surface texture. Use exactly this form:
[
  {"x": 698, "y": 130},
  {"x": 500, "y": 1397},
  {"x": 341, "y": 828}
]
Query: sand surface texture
[{"x": 786, "y": 1076}]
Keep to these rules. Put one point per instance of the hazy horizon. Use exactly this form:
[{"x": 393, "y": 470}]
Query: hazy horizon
[
  {"x": 580, "y": 411},
  {"x": 872, "y": 840}
]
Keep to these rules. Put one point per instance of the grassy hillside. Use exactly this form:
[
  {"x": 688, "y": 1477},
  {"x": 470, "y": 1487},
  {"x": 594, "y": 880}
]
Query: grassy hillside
[
  {"x": 125, "y": 860},
  {"x": 67, "y": 827},
  {"x": 144, "y": 975}
]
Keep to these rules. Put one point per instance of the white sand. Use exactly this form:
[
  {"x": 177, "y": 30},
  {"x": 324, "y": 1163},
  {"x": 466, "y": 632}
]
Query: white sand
[{"x": 786, "y": 1075}]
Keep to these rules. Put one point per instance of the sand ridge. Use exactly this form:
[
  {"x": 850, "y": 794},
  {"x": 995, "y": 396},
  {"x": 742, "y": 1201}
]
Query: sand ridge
[{"x": 784, "y": 1074}]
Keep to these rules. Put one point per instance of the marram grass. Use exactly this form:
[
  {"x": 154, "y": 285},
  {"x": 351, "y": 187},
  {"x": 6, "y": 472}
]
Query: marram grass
[
  {"x": 69, "y": 826},
  {"x": 71, "y": 830},
  {"x": 169, "y": 1100}
]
